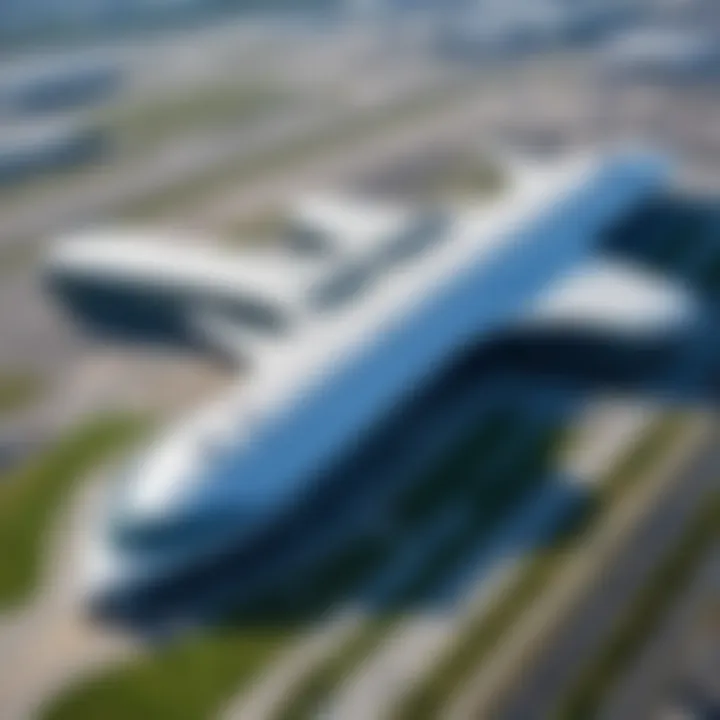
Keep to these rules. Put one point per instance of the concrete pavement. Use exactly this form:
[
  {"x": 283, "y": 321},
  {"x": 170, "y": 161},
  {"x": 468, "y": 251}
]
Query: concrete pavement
[
  {"x": 549, "y": 644},
  {"x": 107, "y": 190},
  {"x": 47, "y": 643},
  {"x": 273, "y": 690},
  {"x": 411, "y": 653},
  {"x": 411, "y": 650},
  {"x": 683, "y": 654}
]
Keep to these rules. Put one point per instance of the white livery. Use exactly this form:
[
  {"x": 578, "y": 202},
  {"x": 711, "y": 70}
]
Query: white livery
[{"x": 336, "y": 334}]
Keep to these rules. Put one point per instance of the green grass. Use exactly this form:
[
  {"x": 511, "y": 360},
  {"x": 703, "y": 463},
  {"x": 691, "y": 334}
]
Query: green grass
[
  {"x": 483, "y": 635},
  {"x": 644, "y": 616},
  {"x": 480, "y": 638},
  {"x": 193, "y": 678},
  {"x": 31, "y": 495},
  {"x": 186, "y": 681},
  {"x": 18, "y": 390}
]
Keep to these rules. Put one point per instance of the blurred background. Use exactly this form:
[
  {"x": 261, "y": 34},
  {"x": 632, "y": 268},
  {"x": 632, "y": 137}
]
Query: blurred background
[
  {"x": 207, "y": 117},
  {"x": 202, "y": 122}
]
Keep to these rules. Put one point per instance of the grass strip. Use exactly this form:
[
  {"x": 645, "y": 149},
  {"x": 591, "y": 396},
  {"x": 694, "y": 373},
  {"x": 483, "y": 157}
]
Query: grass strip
[
  {"x": 30, "y": 496},
  {"x": 646, "y": 612},
  {"x": 18, "y": 390},
  {"x": 633, "y": 466},
  {"x": 482, "y": 635},
  {"x": 195, "y": 677},
  {"x": 481, "y": 638},
  {"x": 187, "y": 680},
  {"x": 307, "y": 701}
]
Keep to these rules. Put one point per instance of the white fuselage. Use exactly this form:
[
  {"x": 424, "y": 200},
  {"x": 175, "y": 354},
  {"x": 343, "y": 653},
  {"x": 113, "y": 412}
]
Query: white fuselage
[{"x": 232, "y": 469}]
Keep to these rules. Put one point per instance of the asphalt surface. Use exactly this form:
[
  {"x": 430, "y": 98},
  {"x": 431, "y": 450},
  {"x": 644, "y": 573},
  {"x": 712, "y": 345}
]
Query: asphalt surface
[
  {"x": 680, "y": 662},
  {"x": 47, "y": 643},
  {"x": 106, "y": 191},
  {"x": 34, "y": 335},
  {"x": 583, "y": 631},
  {"x": 123, "y": 180}
]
